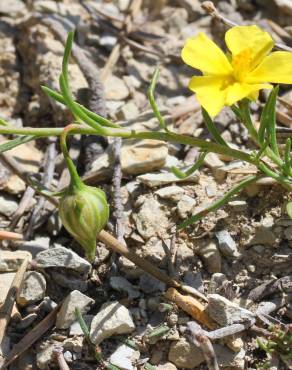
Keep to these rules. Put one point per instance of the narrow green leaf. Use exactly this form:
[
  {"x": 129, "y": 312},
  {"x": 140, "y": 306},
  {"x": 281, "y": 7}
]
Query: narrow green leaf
[
  {"x": 8, "y": 145},
  {"x": 246, "y": 118},
  {"x": 152, "y": 100},
  {"x": 268, "y": 121},
  {"x": 287, "y": 155},
  {"x": 67, "y": 53},
  {"x": 76, "y": 111},
  {"x": 289, "y": 209},
  {"x": 3, "y": 122},
  {"x": 148, "y": 366},
  {"x": 96, "y": 117},
  {"x": 237, "y": 112},
  {"x": 212, "y": 128},
  {"x": 183, "y": 175}
]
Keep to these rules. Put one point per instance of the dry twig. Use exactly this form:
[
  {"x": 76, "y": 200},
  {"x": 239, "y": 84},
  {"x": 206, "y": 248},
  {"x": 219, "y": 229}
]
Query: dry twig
[
  {"x": 6, "y": 308},
  {"x": 23, "y": 205},
  {"x": 190, "y": 305},
  {"x": 9, "y": 235},
  {"x": 199, "y": 338},
  {"x": 49, "y": 169},
  {"x": 58, "y": 352},
  {"x": 211, "y": 9},
  {"x": 31, "y": 337}
]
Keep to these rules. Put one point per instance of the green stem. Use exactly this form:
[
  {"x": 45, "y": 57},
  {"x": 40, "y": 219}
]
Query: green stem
[
  {"x": 75, "y": 182},
  {"x": 279, "y": 178},
  {"x": 183, "y": 175},
  {"x": 152, "y": 101},
  {"x": 130, "y": 134},
  {"x": 245, "y": 113},
  {"x": 244, "y": 108},
  {"x": 154, "y": 135},
  {"x": 96, "y": 117}
]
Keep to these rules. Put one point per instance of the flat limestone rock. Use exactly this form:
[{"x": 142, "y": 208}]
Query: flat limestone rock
[
  {"x": 60, "y": 256},
  {"x": 33, "y": 288},
  {"x": 142, "y": 156},
  {"x": 113, "y": 318},
  {"x": 226, "y": 312},
  {"x": 5, "y": 283},
  {"x": 159, "y": 179},
  {"x": 124, "y": 356},
  {"x": 11, "y": 261},
  {"x": 66, "y": 315},
  {"x": 151, "y": 219}
]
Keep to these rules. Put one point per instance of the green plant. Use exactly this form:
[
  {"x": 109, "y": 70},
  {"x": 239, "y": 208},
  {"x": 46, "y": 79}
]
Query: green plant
[
  {"x": 279, "y": 343},
  {"x": 268, "y": 156}
]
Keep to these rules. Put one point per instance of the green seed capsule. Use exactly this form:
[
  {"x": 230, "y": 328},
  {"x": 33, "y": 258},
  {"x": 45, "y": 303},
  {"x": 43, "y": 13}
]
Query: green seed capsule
[{"x": 84, "y": 212}]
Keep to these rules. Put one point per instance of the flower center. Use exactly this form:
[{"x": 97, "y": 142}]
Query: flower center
[{"x": 241, "y": 64}]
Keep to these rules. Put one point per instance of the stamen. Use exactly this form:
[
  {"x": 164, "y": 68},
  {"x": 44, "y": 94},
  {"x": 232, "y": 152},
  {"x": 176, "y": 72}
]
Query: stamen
[{"x": 241, "y": 64}]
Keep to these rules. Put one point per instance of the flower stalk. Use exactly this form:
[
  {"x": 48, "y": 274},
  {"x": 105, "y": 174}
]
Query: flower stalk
[{"x": 239, "y": 81}]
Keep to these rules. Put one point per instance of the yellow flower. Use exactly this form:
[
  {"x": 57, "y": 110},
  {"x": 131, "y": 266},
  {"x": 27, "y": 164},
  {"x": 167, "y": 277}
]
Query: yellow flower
[{"x": 227, "y": 79}]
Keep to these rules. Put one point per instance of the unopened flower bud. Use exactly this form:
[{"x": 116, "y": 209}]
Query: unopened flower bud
[{"x": 84, "y": 212}]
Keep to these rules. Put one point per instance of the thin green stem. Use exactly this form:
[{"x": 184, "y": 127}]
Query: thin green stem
[
  {"x": 245, "y": 112},
  {"x": 212, "y": 128},
  {"x": 75, "y": 182},
  {"x": 246, "y": 119},
  {"x": 124, "y": 133},
  {"x": 81, "y": 115},
  {"x": 183, "y": 175},
  {"x": 287, "y": 157},
  {"x": 96, "y": 117},
  {"x": 152, "y": 100},
  {"x": 279, "y": 178}
]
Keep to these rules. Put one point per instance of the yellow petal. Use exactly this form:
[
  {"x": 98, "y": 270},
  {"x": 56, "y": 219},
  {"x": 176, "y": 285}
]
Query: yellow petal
[
  {"x": 209, "y": 92},
  {"x": 276, "y": 68},
  {"x": 202, "y": 53},
  {"x": 242, "y": 38},
  {"x": 239, "y": 91}
]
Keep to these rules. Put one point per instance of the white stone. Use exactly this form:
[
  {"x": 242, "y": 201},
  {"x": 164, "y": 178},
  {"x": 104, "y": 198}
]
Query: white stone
[
  {"x": 166, "y": 366},
  {"x": 170, "y": 192},
  {"x": 33, "y": 288},
  {"x": 12, "y": 8},
  {"x": 226, "y": 244},
  {"x": 185, "y": 206},
  {"x": 35, "y": 246},
  {"x": 11, "y": 261},
  {"x": 210, "y": 256},
  {"x": 75, "y": 328},
  {"x": 115, "y": 88},
  {"x": 285, "y": 6},
  {"x": 124, "y": 356},
  {"x": 113, "y": 318},
  {"x": 159, "y": 179},
  {"x": 8, "y": 205},
  {"x": 151, "y": 220},
  {"x": 45, "y": 355},
  {"x": 185, "y": 355},
  {"x": 64, "y": 258},
  {"x": 66, "y": 316},
  {"x": 5, "y": 283},
  {"x": 128, "y": 111},
  {"x": 141, "y": 156},
  {"x": 226, "y": 312}
]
